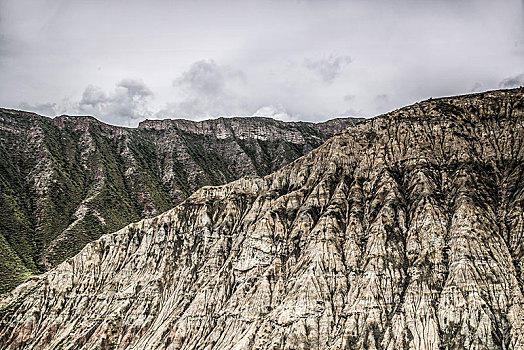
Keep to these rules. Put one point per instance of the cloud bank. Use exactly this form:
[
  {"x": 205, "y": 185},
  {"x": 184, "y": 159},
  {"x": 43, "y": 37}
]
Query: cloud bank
[
  {"x": 128, "y": 104},
  {"x": 309, "y": 60}
]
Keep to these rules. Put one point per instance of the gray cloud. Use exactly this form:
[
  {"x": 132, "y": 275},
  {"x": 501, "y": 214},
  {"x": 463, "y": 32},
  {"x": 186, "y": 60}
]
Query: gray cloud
[
  {"x": 127, "y": 105},
  {"x": 351, "y": 112},
  {"x": 135, "y": 89},
  {"x": 476, "y": 87},
  {"x": 511, "y": 82},
  {"x": 381, "y": 101},
  {"x": 207, "y": 89},
  {"x": 328, "y": 69},
  {"x": 349, "y": 97},
  {"x": 48, "y": 109},
  {"x": 382, "y": 98},
  {"x": 93, "y": 97},
  {"x": 203, "y": 78}
]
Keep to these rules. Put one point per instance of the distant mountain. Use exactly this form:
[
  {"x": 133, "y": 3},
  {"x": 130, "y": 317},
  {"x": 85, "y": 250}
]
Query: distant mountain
[
  {"x": 66, "y": 181},
  {"x": 405, "y": 231}
]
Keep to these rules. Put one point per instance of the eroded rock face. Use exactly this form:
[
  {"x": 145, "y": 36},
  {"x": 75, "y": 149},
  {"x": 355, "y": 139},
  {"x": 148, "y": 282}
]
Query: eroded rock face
[
  {"x": 66, "y": 181},
  {"x": 402, "y": 232}
]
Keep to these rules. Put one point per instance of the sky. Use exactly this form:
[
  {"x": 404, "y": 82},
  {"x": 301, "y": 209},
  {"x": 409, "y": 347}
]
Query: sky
[{"x": 312, "y": 60}]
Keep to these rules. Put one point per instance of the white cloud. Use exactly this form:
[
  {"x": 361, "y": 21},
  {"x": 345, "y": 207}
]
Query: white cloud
[
  {"x": 126, "y": 105},
  {"x": 273, "y": 111}
]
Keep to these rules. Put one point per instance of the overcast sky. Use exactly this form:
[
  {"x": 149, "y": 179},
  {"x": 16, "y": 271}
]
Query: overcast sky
[{"x": 124, "y": 61}]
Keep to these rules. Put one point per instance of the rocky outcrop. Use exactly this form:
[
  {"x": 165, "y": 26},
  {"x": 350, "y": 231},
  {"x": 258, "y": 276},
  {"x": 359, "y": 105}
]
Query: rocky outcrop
[
  {"x": 66, "y": 181},
  {"x": 402, "y": 232}
]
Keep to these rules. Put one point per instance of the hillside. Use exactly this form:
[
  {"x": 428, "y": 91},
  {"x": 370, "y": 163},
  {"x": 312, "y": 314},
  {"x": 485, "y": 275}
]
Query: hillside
[
  {"x": 405, "y": 231},
  {"x": 66, "y": 181}
]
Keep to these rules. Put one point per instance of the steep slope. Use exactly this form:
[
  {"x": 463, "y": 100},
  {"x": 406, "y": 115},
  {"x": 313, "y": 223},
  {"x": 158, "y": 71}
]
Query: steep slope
[
  {"x": 403, "y": 232},
  {"x": 66, "y": 181}
]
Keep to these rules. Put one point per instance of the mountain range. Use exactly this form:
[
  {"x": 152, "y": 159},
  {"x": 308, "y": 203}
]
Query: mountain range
[
  {"x": 404, "y": 231},
  {"x": 66, "y": 181}
]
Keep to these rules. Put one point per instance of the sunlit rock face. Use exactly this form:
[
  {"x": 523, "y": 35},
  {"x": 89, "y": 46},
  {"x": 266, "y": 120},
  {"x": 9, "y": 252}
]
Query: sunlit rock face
[
  {"x": 66, "y": 181},
  {"x": 405, "y": 231}
]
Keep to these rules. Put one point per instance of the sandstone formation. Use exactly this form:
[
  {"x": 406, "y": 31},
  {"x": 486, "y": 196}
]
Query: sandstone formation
[
  {"x": 66, "y": 181},
  {"x": 405, "y": 231}
]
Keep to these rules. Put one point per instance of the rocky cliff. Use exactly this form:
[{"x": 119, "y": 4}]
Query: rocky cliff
[
  {"x": 405, "y": 231},
  {"x": 66, "y": 181}
]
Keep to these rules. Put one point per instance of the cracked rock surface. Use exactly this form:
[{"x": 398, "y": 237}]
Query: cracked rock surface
[{"x": 405, "y": 231}]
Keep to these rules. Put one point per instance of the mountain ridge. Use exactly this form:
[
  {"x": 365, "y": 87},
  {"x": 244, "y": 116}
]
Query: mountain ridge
[
  {"x": 401, "y": 232},
  {"x": 65, "y": 181}
]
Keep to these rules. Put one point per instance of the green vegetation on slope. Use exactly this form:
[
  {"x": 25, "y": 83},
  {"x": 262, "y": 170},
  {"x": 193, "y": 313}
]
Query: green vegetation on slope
[{"x": 67, "y": 181}]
